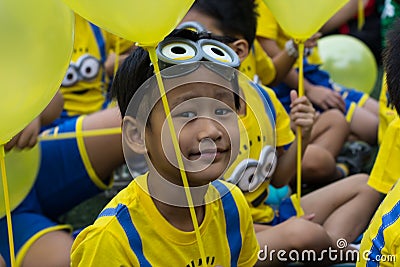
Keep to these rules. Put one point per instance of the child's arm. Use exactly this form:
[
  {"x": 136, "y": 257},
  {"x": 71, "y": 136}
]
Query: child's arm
[
  {"x": 285, "y": 59},
  {"x": 321, "y": 96},
  {"x": 27, "y": 138},
  {"x": 302, "y": 114},
  {"x": 341, "y": 17}
]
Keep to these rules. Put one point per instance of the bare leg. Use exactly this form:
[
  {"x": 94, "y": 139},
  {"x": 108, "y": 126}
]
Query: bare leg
[
  {"x": 295, "y": 234},
  {"x": 343, "y": 208},
  {"x": 105, "y": 152},
  {"x": 329, "y": 133},
  {"x": 372, "y": 106},
  {"x": 364, "y": 124},
  {"x": 2, "y": 262},
  {"x": 50, "y": 250}
]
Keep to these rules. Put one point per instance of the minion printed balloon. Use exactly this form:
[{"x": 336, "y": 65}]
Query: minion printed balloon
[{"x": 85, "y": 84}]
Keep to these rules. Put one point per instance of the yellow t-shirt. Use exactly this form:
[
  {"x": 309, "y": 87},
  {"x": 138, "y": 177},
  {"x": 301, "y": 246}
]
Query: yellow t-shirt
[
  {"x": 386, "y": 169},
  {"x": 85, "y": 84},
  {"x": 131, "y": 231},
  {"x": 255, "y": 135},
  {"x": 380, "y": 245},
  {"x": 268, "y": 27},
  {"x": 258, "y": 63}
]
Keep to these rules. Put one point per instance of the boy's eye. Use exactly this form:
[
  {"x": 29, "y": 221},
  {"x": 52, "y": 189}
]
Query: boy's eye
[
  {"x": 187, "y": 114},
  {"x": 222, "y": 111}
]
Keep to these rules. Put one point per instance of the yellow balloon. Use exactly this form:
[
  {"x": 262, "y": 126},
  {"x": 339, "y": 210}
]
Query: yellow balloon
[
  {"x": 21, "y": 170},
  {"x": 35, "y": 50},
  {"x": 146, "y": 22},
  {"x": 349, "y": 61},
  {"x": 302, "y": 18}
]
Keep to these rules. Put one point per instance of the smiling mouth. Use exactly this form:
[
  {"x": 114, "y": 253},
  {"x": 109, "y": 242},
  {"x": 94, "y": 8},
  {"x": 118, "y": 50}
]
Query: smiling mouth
[{"x": 207, "y": 154}]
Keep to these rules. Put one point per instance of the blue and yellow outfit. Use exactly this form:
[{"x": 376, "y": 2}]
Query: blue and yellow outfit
[
  {"x": 131, "y": 231},
  {"x": 386, "y": 168},
  {"x": 268, "y": 27},
  {"x": 65, "y": 177},
  {"x": 380, "y": 246},
  {"x": 261, "y": 104}
]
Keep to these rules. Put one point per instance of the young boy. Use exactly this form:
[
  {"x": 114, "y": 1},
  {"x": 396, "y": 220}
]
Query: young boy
[
  {"x": 149, "y": 223},
  {"x": 380, "y": 244},
  {"x": 328, "y": 206}
]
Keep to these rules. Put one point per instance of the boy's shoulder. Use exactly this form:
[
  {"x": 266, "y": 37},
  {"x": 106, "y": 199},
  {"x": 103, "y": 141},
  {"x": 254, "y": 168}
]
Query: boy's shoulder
[{"x": 229, "y": 192}]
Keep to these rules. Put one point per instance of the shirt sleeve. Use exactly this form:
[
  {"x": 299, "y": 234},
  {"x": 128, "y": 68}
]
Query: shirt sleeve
[
  {"x": 98, "y": 247},
  {"x": 267, "y": 26},
  {"x": 112, "y": 40},
  {"x": 386, "y": 169},
  {"x": 284, "y": 134}
]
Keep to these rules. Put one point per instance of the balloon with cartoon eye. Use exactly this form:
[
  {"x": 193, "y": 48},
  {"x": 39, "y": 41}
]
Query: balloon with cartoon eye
[
  {"x": 89, "y": 67},
  {"x": 243, "y": 175},
  {"x": 267, "y": 163},
  {"x": 71, "y": 77}
]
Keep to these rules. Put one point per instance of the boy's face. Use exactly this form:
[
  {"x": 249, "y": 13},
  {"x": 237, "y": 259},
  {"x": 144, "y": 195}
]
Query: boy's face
[{"x": 206, "y": 125}]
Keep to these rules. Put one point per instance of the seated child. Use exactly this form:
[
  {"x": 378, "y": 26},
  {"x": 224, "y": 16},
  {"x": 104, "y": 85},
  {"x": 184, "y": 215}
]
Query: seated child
[
  {"x": 149, "y": 222},
  {"x": 380, "y": 243},
  {"x": 361, "y": 111},
  {"x": 330, "y": 129},
  {"x": 328, "y": 225}
]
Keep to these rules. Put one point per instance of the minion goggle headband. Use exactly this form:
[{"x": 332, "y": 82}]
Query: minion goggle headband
[
  {"x": 172, "y": 67},
  {"x": 189, "y": 46}
]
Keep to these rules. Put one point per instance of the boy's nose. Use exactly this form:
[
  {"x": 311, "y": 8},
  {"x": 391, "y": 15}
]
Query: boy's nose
[{"x": 209, "y": 128}]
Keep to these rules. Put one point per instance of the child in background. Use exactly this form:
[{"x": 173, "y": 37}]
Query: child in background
[
  {"x": 330, "y": 204},
  {"x": 72, "y": 170},
  {"x": 330, "y": 130},
  {"x": 381, "y": 242},
  {"x": 361, "y": 111},
  {"x": 148, "y": 223}
]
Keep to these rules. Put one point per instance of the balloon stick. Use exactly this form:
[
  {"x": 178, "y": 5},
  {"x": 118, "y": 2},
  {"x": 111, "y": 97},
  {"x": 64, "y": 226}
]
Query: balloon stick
[
  {"x": 7, "y": 205},
  {"x": 300, "y": 45}
]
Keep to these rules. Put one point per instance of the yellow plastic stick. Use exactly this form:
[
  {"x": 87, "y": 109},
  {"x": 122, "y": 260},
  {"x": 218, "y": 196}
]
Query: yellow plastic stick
[
  {"x": 7, "y": 205},
  {"x": 361, "y": 15},
  {"x": 300, "y": 45},
  {"x": 86, "y": 133}
]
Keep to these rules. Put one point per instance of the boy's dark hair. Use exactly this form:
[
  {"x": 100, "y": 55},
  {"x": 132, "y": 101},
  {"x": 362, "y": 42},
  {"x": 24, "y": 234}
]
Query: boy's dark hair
[
  {"x": 391, "y": 61},
  {"x": 234, "y": 17},
  {"x": 132, "y": 73}
]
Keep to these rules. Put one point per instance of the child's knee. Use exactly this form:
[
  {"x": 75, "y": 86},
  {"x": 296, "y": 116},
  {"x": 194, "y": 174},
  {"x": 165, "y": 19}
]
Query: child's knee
[
  {"x": 304, "y": 234},
  {"x": 337, "y": 118},
  {"x": 318, "y": 161}
]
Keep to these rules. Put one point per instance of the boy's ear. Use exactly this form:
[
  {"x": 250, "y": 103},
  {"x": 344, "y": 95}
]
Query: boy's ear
[
  {"x": 133, "y": 135},
  {"x": 241, "y": 47}
]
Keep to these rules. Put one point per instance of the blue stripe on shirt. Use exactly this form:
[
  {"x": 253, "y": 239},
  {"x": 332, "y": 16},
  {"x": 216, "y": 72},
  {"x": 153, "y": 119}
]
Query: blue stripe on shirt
[
  {"x": 232, "y": 221},
  {"x": 124, "y": 218},
  {"x": 379, "y": 241}
]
